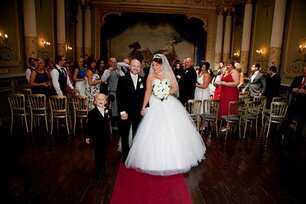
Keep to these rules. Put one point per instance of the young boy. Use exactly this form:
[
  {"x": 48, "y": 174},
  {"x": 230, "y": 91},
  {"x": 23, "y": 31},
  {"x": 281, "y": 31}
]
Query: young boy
[{"x": 99, "y": 131}]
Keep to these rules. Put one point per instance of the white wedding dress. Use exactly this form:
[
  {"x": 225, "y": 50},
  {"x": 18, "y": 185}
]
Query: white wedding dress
[{"x": 167, "y": 141}]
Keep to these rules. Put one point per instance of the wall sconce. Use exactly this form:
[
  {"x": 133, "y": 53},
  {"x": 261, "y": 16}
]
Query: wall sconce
[
  {"x": 68, "y": 48},
  {"x": 302, "y": 48},
  {"x": 3, "y": 38},
  {"x": 260, "y": 52},
  {"x": 236, "y": 54},
  {"x": 46, "y": 44}
]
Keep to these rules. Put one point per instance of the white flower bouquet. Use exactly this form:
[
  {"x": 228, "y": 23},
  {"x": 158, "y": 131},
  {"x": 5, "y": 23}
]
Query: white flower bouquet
[{"x": 161, "y": 90}]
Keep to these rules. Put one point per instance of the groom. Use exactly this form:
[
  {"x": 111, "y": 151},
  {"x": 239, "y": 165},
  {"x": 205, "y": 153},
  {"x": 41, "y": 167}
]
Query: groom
[{"x": 130, "y": 94}]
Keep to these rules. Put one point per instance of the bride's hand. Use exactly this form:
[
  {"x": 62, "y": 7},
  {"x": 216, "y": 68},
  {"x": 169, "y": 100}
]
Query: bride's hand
[{"x": 143, "y": 111}]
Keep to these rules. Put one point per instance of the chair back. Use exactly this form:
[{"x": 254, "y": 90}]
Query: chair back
[
  {"x": 235, "y": 108},
  {"x": 17, "y": 104},
  {"x": 210, "y": 108},
  {"x": 279, "y": 99},
  {"x": 244, "y": 98},
  {"x": 252, "y": 108},
  {"x": 37, "y": 102},
  {"x": 278, "y": 110},
  {"x": 262, "y": 100},
  {"x": 58, "y": 105},
  {"x": 80, "y": 105},
  {"x": 194, "y": 110}
]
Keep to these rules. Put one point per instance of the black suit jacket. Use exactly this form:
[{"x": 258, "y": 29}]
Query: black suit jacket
[
  {"x": 273, "y": 86},
  {"x": 98, "y": 126},
  {"x": 129, "y": 99},
  {"x": 187, "y": 85},
  {"x": 298, "y": 100}
]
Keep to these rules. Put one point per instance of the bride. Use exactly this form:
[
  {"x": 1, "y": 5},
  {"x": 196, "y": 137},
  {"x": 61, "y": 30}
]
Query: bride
[{"x": 166, "y": 141}]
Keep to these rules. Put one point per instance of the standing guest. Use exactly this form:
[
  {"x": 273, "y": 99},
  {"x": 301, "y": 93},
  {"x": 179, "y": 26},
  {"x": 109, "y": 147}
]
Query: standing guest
[
  {"x": 166, "y": 142},
  {"x": 178, "y": 70},
  {"x": 99, "y": 132},
  {"x": 273, "y": 85},
  {"x": 130, "y": 93},
  {"x": 238, "y": 67},
  {"x": 101, "y": 68},
  {"x": 296, "y": 110},
  {"x": 30, "y": 68},
  {"x": 216, "y": 82},
  {"x": 257, "y": 84},
  {"x": 92, "y": 82},
  {"x": 229, "y": 91},
  {"x": 40, "y": 80},
  {"x": 111, "y": 76},
  {"x": 79, "y": 77},
  {"x": 60, "y": 77},
  {"x": 202, "y": 91},
  {"x": 187, "y": 82}
]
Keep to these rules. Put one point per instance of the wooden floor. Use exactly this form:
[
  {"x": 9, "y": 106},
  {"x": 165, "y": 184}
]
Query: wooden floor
[{"x": 39, "y": 168}]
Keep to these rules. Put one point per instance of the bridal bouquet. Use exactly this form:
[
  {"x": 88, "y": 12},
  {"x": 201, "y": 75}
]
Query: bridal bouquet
[{"x": 161, "y": 90}]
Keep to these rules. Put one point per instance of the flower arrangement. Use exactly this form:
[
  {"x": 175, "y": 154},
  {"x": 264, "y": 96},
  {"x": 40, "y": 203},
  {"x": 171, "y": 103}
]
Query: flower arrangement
[{"x": 161, "y": 90}]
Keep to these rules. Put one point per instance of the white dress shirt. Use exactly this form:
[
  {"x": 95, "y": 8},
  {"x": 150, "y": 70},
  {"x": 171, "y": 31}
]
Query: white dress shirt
[
  {"x": 134, "y": 78},
  {"x": 28, "y": 73},
  {"x": 54, "y": 76},
  {"x": 101, "y": 110},
  {"x": 253, "y": 76}
]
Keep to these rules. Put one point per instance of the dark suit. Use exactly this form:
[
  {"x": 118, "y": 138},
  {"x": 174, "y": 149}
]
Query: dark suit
[
  {"x": 273, "y": 86},
  {"x": 187, "y": 85},
  {"x": 130, "y": 101},
  {"x": 99, "y": 134},
  {"x": 257, "y": 86}
]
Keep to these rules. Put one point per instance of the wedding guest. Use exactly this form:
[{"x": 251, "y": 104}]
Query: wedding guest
[
  {"x": 60, "y": 77},
  {"x": 178, "y": 70},
  {"x": 30, "y": 68},
  {"x": 101, "y": 68},
  {"x": 99, "y": 132},
  {"x": 40, "y": 80},
  {"x": 187, "y": 82},
  {"x": 238, "y": 67},
  {"x": 111, "y": 76},
  {"x": 202, "y": 90},
  {"x": 257, "y": 84},
  {"x": 229, "y": 91},
  {"x": 166, "y": 142},
  {"x": 92, "y": 82},
  {"x": 79, "y": 77},
  {"x": 273, "y": 85},
  {"x": 130, "y": 93}
]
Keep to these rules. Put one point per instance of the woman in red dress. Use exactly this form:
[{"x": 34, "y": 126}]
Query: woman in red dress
[{"x": 229, "y": 91}]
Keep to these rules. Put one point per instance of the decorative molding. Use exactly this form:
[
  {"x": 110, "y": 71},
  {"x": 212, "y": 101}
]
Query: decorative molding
[
  {"x": 244, "y": 61},
  {"x": 274, "y": 56}
]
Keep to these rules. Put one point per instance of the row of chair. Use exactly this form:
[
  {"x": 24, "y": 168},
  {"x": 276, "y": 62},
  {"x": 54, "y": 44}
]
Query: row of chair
[
  {"x": 35, "y": 105},
  {"x": 243, "y": 113}
]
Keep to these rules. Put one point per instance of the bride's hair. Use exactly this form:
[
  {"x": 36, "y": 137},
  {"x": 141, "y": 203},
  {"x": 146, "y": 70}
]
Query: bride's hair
[{"x": 157, "y": 59}]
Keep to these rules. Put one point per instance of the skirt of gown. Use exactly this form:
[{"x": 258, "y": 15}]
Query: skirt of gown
[{"x": 167, "y": 141}]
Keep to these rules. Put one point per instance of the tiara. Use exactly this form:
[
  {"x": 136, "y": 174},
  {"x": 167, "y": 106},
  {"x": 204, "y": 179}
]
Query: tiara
[{"x": 157, "y": 56}]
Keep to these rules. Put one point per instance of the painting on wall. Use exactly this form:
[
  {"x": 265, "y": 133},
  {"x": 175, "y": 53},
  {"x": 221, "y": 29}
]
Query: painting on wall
[{"x": 143, "y": 41}]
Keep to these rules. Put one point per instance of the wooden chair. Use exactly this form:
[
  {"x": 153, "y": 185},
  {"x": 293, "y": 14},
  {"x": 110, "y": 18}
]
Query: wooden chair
[
  {"x": 59, "y": 110},
  {"x": 38, "y": 108},
  {"x": 262, "y": 100},
  {"x": 235, "y": 109},
  {"x": 277, "y": 115},
  {"x": 210, "y": 113},
  {"x": 194, "y": 110},
  {"x": 250, "y": 115},
  {"x": 80, "y": 110},
  {"x": 26, "y": 92},
  {"x": 18, "y": 109}
]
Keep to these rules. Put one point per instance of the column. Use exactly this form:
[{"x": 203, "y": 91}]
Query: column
[
  {"x": 246, "y": 36},
  {"x": 219, "y": 35},
  {"x": 277, "y": 33},
  {"x": 30, "y": 34},
  {"x": 61, "y": 30},
  {"x": 227, "y": 35},
  {"x": 87, "y": 40},
  {"x": 79, "y": 34}
]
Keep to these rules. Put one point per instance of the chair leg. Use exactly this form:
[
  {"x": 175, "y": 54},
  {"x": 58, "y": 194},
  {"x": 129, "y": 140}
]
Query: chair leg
[
  {"x": 51, "y": 125},
  {"x": 67, "y": 124},
  {"x": 12, "y": 122},
  {"x": 26, "y": 123},
  {"x": 227, "y": 124},
  {"x": 32, "y": 119},
  {"x": 74, "y": 124},
  {"x": 269, "y": 126},
  {"x": 46, "y": 122},
  {"x": 217, "y": 131}
]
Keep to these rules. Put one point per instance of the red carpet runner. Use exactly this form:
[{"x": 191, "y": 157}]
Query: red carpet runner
[{"x": 133, "y": 187}]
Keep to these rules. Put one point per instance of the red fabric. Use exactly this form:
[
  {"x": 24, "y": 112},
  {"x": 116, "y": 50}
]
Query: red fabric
[
  {"x": 133, "y": 187},
  {"x": 227, "y": 94}
]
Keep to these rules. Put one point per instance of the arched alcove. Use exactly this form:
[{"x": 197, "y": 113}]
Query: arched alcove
[{"x": 189, "y": 29}]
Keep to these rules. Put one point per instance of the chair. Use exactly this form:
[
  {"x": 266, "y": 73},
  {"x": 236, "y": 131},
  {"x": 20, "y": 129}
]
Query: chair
[
  {"x": 262, "y": 100},
  {"x": 210, "y": 113},
  {"x": 18, "y": 109},
  {"x": 280, "y": 99},
  {"x": 250, "y": 115},
  {"x": 80, "y": 109},
  {"x": 59, "y": 110},
  {"x": 277, "y": 115},
  {"x": 38, "y": 108},
  {"x": 26, "y": 92},
  {"x": 244, "y": 98},
  {"x": 235, "y": 109},
  {"x": 194, "y": 110}
]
